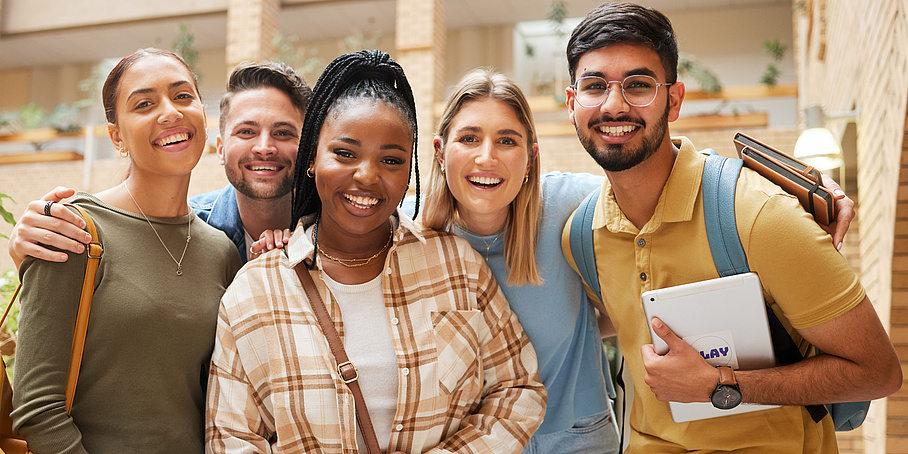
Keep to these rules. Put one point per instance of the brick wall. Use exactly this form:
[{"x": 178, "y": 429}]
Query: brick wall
[
  {"x": 897, "y": 422},
  {"x": 420, "y": 45},
  {"x": 251, "y": 25},
  {"x": 858, "y": 57}
]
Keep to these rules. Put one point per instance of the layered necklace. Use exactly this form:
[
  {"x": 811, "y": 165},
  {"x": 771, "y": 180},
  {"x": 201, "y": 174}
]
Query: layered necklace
[
  {"x": 350, "y": 263},
  {"x": 188, "y": 233}
]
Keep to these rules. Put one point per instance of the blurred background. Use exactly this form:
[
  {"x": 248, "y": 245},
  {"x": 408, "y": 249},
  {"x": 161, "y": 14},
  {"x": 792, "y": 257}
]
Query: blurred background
[{"x": 754, "y": 66}]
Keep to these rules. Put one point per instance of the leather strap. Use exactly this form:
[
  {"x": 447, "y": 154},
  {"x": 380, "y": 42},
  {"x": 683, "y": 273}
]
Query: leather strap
[
  {"x": 345, "y": 369},
  {"x": 727, "y": 376},
  {"x": 94, "y": 250}
]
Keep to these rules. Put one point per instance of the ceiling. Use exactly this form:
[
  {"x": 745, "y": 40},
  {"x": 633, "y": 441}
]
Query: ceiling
[{"x": 308, "y": 21}]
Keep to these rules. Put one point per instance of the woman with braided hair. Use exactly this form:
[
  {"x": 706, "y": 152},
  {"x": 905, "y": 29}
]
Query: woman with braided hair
[{"x": 443, "y": 364}]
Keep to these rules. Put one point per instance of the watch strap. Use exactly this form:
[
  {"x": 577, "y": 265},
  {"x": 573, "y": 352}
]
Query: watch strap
[{"x": 727, "y": 376}]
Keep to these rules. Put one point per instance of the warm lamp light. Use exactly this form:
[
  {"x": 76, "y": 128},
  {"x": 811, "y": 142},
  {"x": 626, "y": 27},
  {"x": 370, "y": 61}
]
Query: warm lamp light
[{"x": 816, "y": 146}]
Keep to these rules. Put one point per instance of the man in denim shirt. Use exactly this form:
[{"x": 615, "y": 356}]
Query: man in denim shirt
[{"x": 261, "y": 118}]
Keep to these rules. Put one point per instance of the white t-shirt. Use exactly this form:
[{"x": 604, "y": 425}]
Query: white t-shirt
[{"x": 370, "y": 348}]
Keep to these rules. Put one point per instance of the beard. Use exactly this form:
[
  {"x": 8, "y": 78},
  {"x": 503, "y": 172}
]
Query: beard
[
  {"x": 620, "y": 157},
  {"x": 261, "y": 190}
]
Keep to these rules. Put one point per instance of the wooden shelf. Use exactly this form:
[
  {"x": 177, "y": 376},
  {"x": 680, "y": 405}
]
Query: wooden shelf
[
  {"x": 744, "y": 92},
  {"x": 41, "y": 156},
  {"x": 38, "y": 135}
]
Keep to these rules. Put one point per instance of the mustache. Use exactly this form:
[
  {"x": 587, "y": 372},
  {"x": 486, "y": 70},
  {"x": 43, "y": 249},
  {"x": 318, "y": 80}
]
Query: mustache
[
  {"x": 622, "y": 119},
  {"x": 278, "y": 160}
]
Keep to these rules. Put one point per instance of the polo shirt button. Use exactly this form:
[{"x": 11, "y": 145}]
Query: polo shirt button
[
  {"x": 388, "y": 271},
  {"x": 405, "y": 371},
  {"x": 641, "y": 242},
  {"x": 394, "y": 320},
  {"x": 399, "y": 427},
  {"x": 642, "y": 276}
]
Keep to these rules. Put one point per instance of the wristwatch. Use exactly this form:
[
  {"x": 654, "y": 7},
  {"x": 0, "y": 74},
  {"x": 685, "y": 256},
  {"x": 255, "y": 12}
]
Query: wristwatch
[{"x": 727, "y": 395}]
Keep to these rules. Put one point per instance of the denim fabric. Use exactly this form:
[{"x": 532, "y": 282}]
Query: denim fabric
[
  {"x": 590, "y": 435},
  {"x": 219, "y": 210}
]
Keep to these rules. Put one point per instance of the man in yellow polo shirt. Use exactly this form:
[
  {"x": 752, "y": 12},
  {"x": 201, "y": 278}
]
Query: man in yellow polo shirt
[{"x": 649, "y": 233}]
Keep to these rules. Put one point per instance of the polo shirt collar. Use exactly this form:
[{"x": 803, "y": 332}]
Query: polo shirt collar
[{"x": 676, "y": 204}]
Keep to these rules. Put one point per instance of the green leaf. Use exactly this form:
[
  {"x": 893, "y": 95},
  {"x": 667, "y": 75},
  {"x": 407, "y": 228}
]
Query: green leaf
[{"x": 6, "y": 215}]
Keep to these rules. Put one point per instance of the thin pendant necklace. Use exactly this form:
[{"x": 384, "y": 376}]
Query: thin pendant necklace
[
  {"x": 349, "y": 263},
  {"x": 489, "y": 245},
  {"x": 188, "y": 233}
]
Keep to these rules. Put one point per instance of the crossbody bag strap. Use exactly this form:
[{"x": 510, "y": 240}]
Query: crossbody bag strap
[
  {"x": 94, "y": 250},
  {"x": 345, "y": 369}
]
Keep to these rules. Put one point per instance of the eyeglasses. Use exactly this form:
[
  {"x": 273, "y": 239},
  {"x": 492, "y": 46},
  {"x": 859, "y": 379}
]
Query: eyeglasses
[{"x": 638, "y": 90}]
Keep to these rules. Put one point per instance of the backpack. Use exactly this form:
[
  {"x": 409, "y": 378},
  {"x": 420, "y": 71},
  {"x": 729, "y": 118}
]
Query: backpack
[{"x": 720, "y": 175}]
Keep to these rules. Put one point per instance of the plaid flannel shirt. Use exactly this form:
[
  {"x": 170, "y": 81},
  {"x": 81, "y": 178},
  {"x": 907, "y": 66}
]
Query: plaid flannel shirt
[{"x": 468, "y": 378}]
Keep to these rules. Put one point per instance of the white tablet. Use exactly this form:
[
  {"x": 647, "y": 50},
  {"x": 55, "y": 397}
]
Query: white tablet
[{"x": 725, "y": 320}]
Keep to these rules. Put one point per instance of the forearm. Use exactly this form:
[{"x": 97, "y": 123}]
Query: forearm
[
  {"x": 859, "y": 364},
  {"x": 817, "y": 380}
]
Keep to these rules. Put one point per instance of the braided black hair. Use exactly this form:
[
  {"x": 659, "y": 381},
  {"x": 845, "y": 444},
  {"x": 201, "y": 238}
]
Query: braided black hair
[{"x": 367, "y": 74}]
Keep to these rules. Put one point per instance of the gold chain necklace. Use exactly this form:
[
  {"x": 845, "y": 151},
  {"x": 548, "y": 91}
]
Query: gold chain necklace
[
  {"x": 188, "y": 235},
  {"x": 350, "y": 263}
]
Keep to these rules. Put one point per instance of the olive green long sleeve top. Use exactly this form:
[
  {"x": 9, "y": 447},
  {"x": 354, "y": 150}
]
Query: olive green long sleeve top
[{"x": 150, "y": 336}]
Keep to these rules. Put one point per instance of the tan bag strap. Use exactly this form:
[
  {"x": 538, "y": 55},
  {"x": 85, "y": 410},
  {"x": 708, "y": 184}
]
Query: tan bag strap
[
  {"x": 94, "y": 250},
  {"x": 345, "y": 368}
]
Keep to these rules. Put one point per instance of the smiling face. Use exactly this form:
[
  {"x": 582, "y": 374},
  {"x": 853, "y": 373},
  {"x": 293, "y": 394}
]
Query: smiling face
[
  {"x": 485, "y": 158},
  {"x": 260, "y": 143},
  {"x": 361, "y": 166},
  {"x": 617, "y": 135},
  {"x": 160, "y": 119}
]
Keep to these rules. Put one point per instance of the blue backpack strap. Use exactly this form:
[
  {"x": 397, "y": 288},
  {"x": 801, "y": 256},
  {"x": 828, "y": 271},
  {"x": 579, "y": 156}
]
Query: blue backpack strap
[
  {"x": 720, "y": 175},
  {"x": 581, "y": 239}
]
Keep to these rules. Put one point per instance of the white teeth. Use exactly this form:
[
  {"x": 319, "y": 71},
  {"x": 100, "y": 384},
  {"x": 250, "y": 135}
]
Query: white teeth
[
  {"x": 173, "y": 139},
  {"x": 359, "y": 200},
  {"x": 485, "y": 180},
  {"x": 616, "y": 130},
  {"x": 263, "y": 168}
]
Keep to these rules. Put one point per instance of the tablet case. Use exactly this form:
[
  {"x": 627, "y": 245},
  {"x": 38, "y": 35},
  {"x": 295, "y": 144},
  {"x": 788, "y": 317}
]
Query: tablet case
[{"x": 794, "y": 176}]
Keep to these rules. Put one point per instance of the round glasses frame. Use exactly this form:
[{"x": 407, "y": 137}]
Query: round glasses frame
[{"x": 621, "y": 83}]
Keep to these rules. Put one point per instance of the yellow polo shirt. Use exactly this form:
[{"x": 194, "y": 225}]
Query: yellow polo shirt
[{"x": 804, "y": 278}]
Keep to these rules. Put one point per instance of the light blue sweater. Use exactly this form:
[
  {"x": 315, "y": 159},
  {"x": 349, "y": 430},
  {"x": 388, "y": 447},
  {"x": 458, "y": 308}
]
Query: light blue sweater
[{"x": 556, "y": 315}]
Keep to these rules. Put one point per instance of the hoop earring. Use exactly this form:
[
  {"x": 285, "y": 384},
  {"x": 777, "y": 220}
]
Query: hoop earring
[
  {"x": 124, "y": 152},
  {"x": 310, "y": 173},
  {"x": 526, "y": 178}
]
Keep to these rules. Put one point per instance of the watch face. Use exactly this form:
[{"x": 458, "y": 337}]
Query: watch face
[{"x": 726, "y": 397}]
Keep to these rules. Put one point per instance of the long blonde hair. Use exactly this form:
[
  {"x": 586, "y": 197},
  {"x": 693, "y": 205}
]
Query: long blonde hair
[{"x": 522, "y": 227}]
